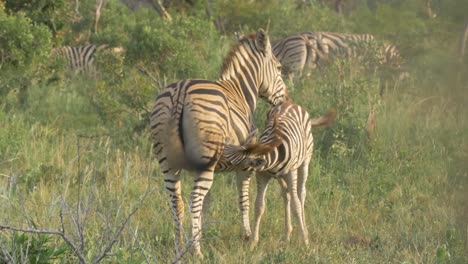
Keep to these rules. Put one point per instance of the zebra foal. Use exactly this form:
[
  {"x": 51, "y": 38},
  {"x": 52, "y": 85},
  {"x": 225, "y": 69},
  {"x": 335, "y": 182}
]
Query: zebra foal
[
  {"x": 284, "y": 152},
  {"x": 191, "y": 120}
]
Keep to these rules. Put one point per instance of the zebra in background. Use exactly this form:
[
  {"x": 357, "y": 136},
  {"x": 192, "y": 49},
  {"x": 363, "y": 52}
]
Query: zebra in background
[
  {"x": 284, "y": 152},
  {"x": 192, "y": 119},
  {"x": 308, "y": 51},
  {"x": 389, "y": 64},
  {"x": 355, "y": 45},
  {"x": 297, "y": 53},
  {"x": 81, "y": 59}
]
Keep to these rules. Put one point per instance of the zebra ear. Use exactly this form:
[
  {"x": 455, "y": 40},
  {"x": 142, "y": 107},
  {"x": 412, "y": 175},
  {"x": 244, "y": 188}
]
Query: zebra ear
[
  {"x": 262, "y": 41},
  {"x": 238, "y": 35}
]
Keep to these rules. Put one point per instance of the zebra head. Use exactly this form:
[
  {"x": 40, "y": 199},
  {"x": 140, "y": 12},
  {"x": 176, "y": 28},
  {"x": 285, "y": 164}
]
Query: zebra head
[
  {"x": 272, "y": 87},
  {"x": 253, "y": 156}
]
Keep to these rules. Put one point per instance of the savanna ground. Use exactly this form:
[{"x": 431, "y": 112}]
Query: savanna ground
[{"x": 75, "y": 152}]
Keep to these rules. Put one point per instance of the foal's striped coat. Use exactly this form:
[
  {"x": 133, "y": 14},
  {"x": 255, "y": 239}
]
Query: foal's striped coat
[{"x": 284, "y": 152}]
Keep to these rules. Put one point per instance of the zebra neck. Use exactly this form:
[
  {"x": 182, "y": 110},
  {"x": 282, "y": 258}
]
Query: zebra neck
[{"x": 240, "y": 75}]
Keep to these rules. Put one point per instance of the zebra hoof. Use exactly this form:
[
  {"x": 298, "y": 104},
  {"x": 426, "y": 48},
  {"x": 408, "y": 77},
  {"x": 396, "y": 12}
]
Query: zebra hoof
[
  {"x": 253, "y": 244},
  {"x": 198, "y": 254}
]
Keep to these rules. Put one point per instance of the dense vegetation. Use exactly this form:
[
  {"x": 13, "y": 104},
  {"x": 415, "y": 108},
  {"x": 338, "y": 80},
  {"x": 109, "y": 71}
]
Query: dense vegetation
[{"x": 75, "y": 151}]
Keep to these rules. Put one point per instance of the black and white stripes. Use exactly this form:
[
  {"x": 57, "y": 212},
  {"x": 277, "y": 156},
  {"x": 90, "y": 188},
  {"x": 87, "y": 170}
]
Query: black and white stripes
[
  {"x": 284, "y": 152},
  {"x": 192, "y": 119},
  {"x": 303, "y": 52},
  {"x": 80, "y": 59}
]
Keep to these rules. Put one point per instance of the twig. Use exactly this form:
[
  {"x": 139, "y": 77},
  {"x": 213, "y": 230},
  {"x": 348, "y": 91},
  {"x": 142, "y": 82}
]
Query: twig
[
  {"x": 180, "y": 254},
  {"x": 161, "y": 10},
  {"x": 77, "y": 6},
  {"x": 49, "y": 232},
  {"x": 145, "y": 72},
  {"x": 121, "y": 228},
  {"x": 26, "y": 215},
  {"x": 78, "y": 204},
  {"x": 140, "y": 247},
  {"x": 99, "y": 4},
  {"x": 5, "y": 256}
]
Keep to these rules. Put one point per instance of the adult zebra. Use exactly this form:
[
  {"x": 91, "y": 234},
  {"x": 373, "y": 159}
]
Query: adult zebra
[
  {"x": 192, "y": 119},
  {"x": 284, "y": 152},
  {"x": 309, "y": 50},
  {"x": 298, "y": 52},
  {"x": 355, "y": 45},
  {"x": 80, "y": 59}
]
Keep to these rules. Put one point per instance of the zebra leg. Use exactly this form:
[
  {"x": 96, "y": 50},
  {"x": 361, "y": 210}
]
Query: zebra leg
[
  {"x": 174, "y": 190},
  {"x": 262, "y": 185},
  {"x": 303, "y": 173},
  {"x": 295, "y": 203},
  {"x": 243, "y": 183},
  {"x": 201, "y": 186},
  {"x": 287, "y": 207}
]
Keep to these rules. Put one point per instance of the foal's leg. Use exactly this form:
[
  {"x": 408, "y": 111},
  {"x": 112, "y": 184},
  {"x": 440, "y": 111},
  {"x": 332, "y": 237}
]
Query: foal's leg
[
  {"x": 243, "y": 183},
  {"x": 303, "y": 173},
  {"x": 262, "y": 185},
  {"x": 287, "y": 207},
  {"x": 291, "y": 178}
]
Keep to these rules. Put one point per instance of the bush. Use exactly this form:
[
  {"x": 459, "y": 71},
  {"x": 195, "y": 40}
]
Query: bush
[
  {"x": 53, "y": 14},
  {"x": 23, "y": 49},
  {"x": 32, "y": 249},
  {"x": 181, "y": 49}
]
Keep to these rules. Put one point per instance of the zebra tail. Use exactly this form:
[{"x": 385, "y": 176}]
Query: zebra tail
[
  {"x": 174, "y": 146},
  {"x": 195, "y": 139},
  {"x": 324, "y": 120}
]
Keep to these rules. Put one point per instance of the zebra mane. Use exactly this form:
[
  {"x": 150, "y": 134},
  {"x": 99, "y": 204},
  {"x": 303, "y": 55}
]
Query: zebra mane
[{"x": 235, "y": 49}]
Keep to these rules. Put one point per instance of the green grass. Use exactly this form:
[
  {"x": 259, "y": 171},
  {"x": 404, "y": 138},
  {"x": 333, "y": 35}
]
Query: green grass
[
  {"x": 398, "y": 199},
  {"x": 81, "y": 148}
]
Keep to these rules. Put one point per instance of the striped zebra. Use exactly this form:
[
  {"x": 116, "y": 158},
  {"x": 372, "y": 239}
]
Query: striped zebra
[
  {"x": 389, "y": 64},
  {"x": 80, "y": 59},
  {"x": 284, "y": 152},
  {"x": 310, "y": 50},
  {"x": 192, "y": 119},
  {"x": 297, "y": 53},
  {"x": 355, "y": 45}
]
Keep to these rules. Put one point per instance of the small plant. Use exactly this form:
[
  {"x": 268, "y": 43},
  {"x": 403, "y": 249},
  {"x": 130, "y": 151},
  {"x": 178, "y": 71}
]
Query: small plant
[{"x": 38, "y": 248}]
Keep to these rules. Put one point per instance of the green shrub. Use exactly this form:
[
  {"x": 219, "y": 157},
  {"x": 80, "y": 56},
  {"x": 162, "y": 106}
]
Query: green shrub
[
  {"x": 25, "y": 248},
  {"x": 179, "y": 49},
  {"x": 24, "y": 47},
  {"x": 53, "y": 14}
]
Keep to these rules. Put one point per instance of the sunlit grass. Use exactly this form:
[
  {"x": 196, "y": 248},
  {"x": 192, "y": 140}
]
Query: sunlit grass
[{"x": 386, "y": 201}]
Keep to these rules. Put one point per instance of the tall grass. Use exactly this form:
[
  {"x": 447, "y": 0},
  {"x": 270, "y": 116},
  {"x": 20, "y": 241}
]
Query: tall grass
[
  {"x": 398, "y": 198},
  {"x": 80, "y": 150}
]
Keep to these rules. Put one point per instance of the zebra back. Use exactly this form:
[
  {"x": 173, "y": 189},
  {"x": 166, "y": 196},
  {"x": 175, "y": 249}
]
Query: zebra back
[
  {"x": 80, "y": 59},
  {"x": 355, "y": 45},
  {"x": 298, "y": 52}
]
